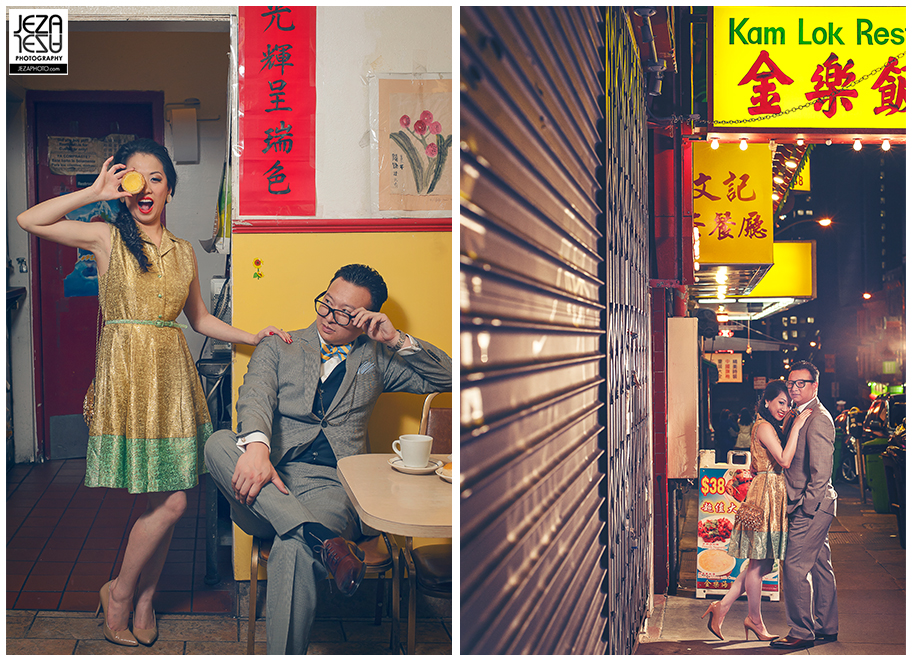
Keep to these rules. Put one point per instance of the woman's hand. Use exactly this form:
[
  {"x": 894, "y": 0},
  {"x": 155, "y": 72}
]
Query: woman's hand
[
  {"x": 801, "y": 418},
  {"x": 107, "y": 184},
  {"x": 273, "y": 331}
]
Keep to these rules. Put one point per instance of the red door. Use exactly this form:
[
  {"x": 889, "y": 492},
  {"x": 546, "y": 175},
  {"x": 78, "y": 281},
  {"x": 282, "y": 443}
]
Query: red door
[{"x": 66, "y": 130}]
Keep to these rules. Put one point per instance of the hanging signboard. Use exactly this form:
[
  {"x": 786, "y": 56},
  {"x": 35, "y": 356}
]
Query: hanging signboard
[
  {"x": 803, "y": 180},
  {"x": 809, "y": 68},
  {"x": 733, "y": 214},
  {"x": 277, "y": 99},
  {"x": 722, "y": 489},
  {"x": 729, "y": 366}
]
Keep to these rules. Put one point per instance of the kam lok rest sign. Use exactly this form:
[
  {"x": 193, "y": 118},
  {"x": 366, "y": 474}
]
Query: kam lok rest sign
[{"x": 809, "y": 67}]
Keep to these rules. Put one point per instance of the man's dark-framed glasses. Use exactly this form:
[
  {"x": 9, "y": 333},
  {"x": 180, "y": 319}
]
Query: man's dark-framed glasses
[
  {"x": 799, "y": 383},
  {"x": 341, "y": 317}
]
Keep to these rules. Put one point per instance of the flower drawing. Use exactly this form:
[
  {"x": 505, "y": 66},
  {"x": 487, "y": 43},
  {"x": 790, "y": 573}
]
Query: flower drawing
[
  {"x": 424, "y": 136},
  {"x": 257, "y": 264}
]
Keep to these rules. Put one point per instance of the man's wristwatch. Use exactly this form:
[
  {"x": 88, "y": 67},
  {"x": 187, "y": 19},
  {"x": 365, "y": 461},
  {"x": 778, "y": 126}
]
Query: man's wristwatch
[{"x": 402, "y": 341}]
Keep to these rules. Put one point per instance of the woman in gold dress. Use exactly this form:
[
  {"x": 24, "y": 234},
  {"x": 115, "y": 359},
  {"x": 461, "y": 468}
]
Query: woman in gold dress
[
  {"x": 759, "y": 534},
  {"x": 150, "y": 418}
]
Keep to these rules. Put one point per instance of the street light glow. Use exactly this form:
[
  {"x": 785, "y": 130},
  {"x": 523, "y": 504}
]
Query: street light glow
[
  {"x": 824, "y": 222},
  {"x": 866, "y": 295}
]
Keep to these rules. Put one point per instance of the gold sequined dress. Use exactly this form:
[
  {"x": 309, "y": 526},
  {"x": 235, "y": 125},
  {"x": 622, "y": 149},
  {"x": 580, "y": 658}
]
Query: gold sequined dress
[
  {"x": 151, "y": 418},
  {"x": 767, "y": 490}
]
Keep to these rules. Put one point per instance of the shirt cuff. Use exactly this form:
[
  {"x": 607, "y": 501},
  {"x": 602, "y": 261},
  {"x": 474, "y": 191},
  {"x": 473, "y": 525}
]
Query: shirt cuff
[
  {"x": 412, "y": 349},
  {"x": 251, "y": 438}
]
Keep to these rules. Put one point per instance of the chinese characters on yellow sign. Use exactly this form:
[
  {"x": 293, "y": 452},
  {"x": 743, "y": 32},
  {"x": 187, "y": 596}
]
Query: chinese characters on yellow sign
[
  {"x": 729, "y": 366},
  {"x": 810, "y": 67},
  {"x": 733, "y": 214}
]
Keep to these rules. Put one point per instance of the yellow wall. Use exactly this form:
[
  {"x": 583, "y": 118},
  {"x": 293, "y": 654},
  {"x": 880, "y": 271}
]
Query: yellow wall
[{"x": 295, "y": 268}]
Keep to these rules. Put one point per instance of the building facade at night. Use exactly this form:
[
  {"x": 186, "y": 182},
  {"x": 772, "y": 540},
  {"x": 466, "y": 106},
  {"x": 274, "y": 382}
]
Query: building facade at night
[{"x": 639, "y": 251}]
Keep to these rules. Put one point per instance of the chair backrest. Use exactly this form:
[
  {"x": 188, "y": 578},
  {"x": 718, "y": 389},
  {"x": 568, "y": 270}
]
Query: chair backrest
[{"x": 436, "y": 422}]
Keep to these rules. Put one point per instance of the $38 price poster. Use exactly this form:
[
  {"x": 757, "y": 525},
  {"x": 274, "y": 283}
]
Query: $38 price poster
[{"x": 722, "y": 489}]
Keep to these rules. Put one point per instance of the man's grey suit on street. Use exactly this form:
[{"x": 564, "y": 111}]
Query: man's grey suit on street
[
  {"x": 277, "y": 398},
  {"x": 810, "y": 588}
]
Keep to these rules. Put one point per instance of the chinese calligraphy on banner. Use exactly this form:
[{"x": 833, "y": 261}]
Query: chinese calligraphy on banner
[
  {"x": 845, "y": 65},
  {"x": 732, "y": 205},
  {"x": 277, "y": 98},
  {"x": 729, "y": 366}
]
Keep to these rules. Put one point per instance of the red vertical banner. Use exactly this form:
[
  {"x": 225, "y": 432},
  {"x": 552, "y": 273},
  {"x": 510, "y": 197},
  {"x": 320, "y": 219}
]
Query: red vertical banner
[{"x": 277, "y": 96}]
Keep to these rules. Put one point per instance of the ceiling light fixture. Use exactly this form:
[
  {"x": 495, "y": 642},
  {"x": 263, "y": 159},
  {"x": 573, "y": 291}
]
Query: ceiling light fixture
[
  {"x": 886, "y": 145},
  {"x": 743, "y": 144},
  {"x": 714, "y": 144},
  {"x": 857, "y": 145}
]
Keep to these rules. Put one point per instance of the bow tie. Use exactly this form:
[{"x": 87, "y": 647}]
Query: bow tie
[{"x": 328, "y": 351}]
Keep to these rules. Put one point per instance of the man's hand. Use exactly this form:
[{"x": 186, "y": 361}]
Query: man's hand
[
  {"x": 377, "y": 327},
  {"x": 252, "y": 472}
]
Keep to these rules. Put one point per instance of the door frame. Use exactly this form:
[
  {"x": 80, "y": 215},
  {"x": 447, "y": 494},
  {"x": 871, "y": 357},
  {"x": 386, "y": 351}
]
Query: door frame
[{"x": 153, "y": 98}]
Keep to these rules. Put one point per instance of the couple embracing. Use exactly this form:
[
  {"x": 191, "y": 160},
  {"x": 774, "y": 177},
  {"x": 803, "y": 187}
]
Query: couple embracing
[{"x": 786, "y": 515}]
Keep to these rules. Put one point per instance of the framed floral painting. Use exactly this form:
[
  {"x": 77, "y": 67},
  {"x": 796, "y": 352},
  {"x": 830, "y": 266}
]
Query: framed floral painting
[{"x": 412, "y": 144}]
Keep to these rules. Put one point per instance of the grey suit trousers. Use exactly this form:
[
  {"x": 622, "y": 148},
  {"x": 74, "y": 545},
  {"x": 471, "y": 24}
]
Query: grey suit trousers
[
  {"x": 810, "y": 588},
  {"x": 294, "y": 570}
]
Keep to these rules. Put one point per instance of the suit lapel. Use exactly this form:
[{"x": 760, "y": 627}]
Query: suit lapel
[
  {"x": 351, "y": 365},
  {"x": 312, "y": 360}
]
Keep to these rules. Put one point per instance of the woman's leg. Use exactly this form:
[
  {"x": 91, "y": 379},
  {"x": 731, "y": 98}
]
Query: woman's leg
[
  {"x": 734, "y": 593},
  {"x": 754, "y": 577},
  {"x": 144, "y": 557}
]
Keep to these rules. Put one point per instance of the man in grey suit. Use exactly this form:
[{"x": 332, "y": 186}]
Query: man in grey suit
[
  {"x": 302, "y": 406},
  {"x": 810, "y": 589}
]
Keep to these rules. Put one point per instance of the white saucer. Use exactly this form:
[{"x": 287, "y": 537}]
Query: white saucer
[
  {"x": 444, "y": 476},
  {"x": 430, "y": 468}
]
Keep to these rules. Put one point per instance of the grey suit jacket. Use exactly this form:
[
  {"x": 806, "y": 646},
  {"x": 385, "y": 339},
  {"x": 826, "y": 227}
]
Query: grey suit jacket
[
  {"x": 277, "y": 396},
  {"x": 808, "y": 479}
]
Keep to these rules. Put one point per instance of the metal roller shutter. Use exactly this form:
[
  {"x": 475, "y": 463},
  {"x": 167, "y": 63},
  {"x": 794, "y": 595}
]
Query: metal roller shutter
[{"x": 554, "y": 450}]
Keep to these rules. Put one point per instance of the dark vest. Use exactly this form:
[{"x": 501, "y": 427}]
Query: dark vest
[{"x": 320, "y": 452}]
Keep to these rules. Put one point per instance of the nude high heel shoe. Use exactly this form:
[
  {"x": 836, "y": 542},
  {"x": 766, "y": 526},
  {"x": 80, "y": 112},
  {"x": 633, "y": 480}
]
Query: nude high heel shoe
[
  {"x": 760, "y": 635},
  {"x": 715, "y": 623},
  {"x": 147, "y": 637},
  {"x": 121, "y": 637}
]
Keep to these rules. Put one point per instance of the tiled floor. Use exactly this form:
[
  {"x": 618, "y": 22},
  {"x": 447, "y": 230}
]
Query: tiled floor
[{"x": 65, "y": 540}]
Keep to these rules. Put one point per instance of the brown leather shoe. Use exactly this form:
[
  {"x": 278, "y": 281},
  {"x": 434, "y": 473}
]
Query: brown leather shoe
[
  {"x": 792, "y": 643},
  {"x": 346, "y": 562}
]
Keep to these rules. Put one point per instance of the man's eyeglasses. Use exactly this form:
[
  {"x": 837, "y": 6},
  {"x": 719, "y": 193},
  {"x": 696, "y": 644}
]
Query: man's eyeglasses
[
  {"x": 799, "y": 383},
  {"x": 341, "y": 317}
]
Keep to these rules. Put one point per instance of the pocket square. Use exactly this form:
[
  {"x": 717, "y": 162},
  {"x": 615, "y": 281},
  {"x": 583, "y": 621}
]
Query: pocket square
[{"x": 365, "y": 368}]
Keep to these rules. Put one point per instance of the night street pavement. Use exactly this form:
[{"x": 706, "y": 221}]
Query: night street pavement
[{"x": 870, "y": 566}]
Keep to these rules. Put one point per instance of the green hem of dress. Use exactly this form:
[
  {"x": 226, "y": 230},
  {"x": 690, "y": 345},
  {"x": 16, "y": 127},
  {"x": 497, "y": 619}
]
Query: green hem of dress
[
  {"x": 107, "y": 464},
  {"x": 745, "y": 544}
]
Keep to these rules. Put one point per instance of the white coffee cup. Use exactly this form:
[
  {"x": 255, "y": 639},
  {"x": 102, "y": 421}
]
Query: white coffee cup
[{"x": 413, "y": 449}]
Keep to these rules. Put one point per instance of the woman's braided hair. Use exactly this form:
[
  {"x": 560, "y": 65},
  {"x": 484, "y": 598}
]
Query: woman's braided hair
[{"x": 124, "y": 220}]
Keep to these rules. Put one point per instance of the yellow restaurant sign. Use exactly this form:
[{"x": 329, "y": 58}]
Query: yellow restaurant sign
[
  {"x": 794, "y": 273},
  {"x": 803, "y": 178},
  {"x": 809, "y": 67},
  {"x": 733, "y": 211}
]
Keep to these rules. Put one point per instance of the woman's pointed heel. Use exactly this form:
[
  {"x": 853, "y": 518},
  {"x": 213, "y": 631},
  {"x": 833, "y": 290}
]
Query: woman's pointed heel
[
  {"x": 761, "y": 637},
  {"x": 121, "y": 637},
  {"x": 713, "y": 610},
  {"x": 147, "y": 637}
]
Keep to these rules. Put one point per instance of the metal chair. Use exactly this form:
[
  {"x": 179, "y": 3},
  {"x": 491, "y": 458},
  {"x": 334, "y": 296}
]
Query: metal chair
[
  {"x": 430, "y": 567},
  {"x": 379, "y": 557}
]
